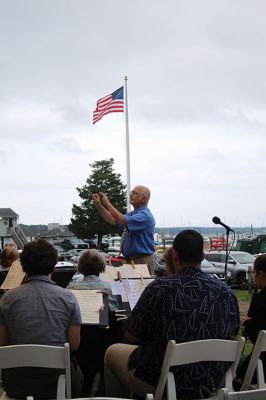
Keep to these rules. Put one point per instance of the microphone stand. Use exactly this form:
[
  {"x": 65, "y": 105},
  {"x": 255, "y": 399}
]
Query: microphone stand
[{"x": 226, "y": 254}]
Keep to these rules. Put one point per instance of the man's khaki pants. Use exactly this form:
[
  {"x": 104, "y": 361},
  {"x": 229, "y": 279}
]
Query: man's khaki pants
[
  {"x": 119, "y": 381},
  {"x": 148, "y": 260}
]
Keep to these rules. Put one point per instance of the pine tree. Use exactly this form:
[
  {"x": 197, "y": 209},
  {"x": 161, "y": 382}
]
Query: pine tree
[{"x": 85, "y": 221}]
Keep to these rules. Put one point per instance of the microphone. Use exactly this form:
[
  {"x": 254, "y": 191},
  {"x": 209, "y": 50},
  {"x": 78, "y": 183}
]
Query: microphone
[{"x": 216, "y": 220}]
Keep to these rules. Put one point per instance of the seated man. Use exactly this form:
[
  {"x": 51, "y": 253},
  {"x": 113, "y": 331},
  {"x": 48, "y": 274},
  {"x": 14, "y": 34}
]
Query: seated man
[
  {"x": 186, "y": 306},
  {"x": 39, "y": 312}
]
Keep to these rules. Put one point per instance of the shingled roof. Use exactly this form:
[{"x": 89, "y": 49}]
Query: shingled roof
[
  {"x": 8, "y": 213},
  {"x": 57, "y": 232}
]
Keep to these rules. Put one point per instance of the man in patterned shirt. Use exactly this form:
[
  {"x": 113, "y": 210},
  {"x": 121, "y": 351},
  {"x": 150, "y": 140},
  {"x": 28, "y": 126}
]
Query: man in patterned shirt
[{"x": 186, "y": 306}]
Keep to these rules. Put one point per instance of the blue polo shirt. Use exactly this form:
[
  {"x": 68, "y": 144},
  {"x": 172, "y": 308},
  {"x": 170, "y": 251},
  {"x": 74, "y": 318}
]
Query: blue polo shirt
[{"x": 139, "y": 233}]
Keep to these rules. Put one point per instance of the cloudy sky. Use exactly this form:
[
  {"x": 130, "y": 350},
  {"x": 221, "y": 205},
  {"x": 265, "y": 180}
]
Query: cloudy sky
[{"x": 197, "y": 96}]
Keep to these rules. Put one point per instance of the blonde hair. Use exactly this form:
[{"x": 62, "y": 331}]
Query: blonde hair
[
  {"x": 169, "y": 263},
  {"x": 9, "y": 255}
]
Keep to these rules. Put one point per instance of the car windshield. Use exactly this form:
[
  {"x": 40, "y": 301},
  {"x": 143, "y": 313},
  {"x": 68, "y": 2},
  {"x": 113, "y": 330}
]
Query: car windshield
[
  {"x": 244, "y": 258},
  {"x": 206, "y": 264},
  {"x": 76, "y": 241},
  {"x": 59, "y": 248}
]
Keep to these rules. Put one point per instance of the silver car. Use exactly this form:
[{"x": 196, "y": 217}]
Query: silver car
[
  {"x": 239, "y": 264},
  {"x": 206, "y": 266}
]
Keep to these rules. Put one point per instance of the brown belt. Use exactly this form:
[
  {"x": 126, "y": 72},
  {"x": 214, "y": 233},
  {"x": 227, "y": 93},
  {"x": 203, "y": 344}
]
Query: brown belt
[{"x": 128, "y": 259}]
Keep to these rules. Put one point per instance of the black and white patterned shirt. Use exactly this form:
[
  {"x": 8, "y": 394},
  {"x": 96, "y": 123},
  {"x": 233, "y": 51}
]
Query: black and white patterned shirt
[{"x": 187, "y": 306}]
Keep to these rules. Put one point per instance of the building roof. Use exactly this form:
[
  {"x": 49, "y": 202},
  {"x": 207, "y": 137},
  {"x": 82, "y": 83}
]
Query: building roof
[
  {"x": 8, "y": 213},
  {"x": 61, "y": 232}
]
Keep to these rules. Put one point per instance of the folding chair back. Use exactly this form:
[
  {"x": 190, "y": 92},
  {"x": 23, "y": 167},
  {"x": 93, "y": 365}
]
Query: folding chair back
[
  {"x": 258, "y": 394},
  {"x": 197, "y": 351},
  {"x": 34, "y": 355},
  {"x": 255, "y": 364}
]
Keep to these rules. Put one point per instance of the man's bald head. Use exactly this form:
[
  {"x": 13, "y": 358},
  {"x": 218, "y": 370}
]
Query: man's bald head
[
  {"x": 144, "y": 191},
  {"x": 140, "y": 196}
]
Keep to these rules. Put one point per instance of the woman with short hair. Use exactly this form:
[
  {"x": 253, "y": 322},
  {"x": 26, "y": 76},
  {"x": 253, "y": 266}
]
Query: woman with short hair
[{"x": 91, "y": 264}]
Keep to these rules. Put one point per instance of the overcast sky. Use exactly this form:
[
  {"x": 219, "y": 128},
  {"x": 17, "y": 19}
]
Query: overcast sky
[{"x": 197, "y": 96}]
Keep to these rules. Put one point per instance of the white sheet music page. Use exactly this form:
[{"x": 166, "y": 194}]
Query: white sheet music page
[
  {"x": 136, "y": 288},
  {"x": 14, "y": 276},
  {"x": 117, "y": 288},
  {"x": 129, "y": 271},
  {"x": 90, "y": 304},
  {"x": 120, "y": 288}
]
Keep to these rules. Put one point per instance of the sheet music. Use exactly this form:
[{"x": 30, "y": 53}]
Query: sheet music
[
  {"x": 126, "y": 271},
  {"x": 136, "y": 271},
  {"x": 136, "y": 288},
  {"x": 14, "y": 276},
  {"x": 130, "y": 289},
  {"x": 90, "y": 304},
  {"x": 119, "y": 288}
]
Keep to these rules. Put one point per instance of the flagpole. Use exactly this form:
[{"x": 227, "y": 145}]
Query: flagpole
[{"x": 127, "y": 148}]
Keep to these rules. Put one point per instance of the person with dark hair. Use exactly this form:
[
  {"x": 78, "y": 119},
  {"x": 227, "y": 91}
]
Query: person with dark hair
[
  {"x": 137, "y": 226},
  {"x": 255, "y": 320},
  {"x": 186, "y": 306},
  {"x": 91, "y": 264},
  {"x": 39, "y": 312}
]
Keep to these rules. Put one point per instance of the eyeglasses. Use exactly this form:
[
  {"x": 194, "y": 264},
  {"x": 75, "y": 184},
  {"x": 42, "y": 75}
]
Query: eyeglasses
[{"x": 136, "y": 193}]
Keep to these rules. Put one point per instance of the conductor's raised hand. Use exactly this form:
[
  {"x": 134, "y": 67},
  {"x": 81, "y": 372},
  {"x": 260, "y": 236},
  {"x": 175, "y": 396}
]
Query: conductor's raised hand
[
  {"x": 96, "y": 200},
  {"x": 104, "y": 199}
]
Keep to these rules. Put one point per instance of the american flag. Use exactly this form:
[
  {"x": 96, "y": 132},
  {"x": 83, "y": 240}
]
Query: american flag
[{"x": 113, "y": 102}]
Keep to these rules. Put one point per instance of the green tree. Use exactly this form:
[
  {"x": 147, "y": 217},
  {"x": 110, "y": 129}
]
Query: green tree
[{"x": 85, "y": 221}]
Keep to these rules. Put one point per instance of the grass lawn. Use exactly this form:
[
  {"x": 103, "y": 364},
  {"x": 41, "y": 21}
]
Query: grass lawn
[{"x": 244, "y": 297}]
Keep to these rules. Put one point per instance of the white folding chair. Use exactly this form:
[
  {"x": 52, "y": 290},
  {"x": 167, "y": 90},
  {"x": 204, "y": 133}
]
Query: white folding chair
[
  {"x": 193, "y": 352},
  {"x": 257, "y": 394},
  {"x": 34, "y": 355},
  {"x": 101, "y": 398},
  {"x": 255, "y": 364}
]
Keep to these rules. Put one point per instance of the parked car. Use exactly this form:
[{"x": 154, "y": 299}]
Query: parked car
[
  {"x": 206, "y": 266},
  {"x": 257, "y": 255},
  {"x": 74, "y": 253},
  {"x": 209, "y": 268},
  {"x": 113, "y": 251},
  {"x": 73, "y": 243},
  {"x": 62, "y": 254},
  {"x": 64, "y": 265},
  {"x": 91, "y": 242},
  {"x": 239, "y": 264}
]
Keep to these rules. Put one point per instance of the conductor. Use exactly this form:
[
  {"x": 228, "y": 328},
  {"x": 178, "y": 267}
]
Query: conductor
[{"x": 137, "y": 225}]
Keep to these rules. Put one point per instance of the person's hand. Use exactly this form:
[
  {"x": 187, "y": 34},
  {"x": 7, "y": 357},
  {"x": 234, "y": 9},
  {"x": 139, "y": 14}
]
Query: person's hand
[
  {"x": 244, "y": 318},
  {"x": 105, "y": 199},
  {"x": 96, "y": 200}
]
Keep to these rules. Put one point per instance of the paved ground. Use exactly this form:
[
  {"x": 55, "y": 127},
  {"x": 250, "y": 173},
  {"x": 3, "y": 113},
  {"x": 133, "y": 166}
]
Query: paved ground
[{"x": 243, "y": 307}]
